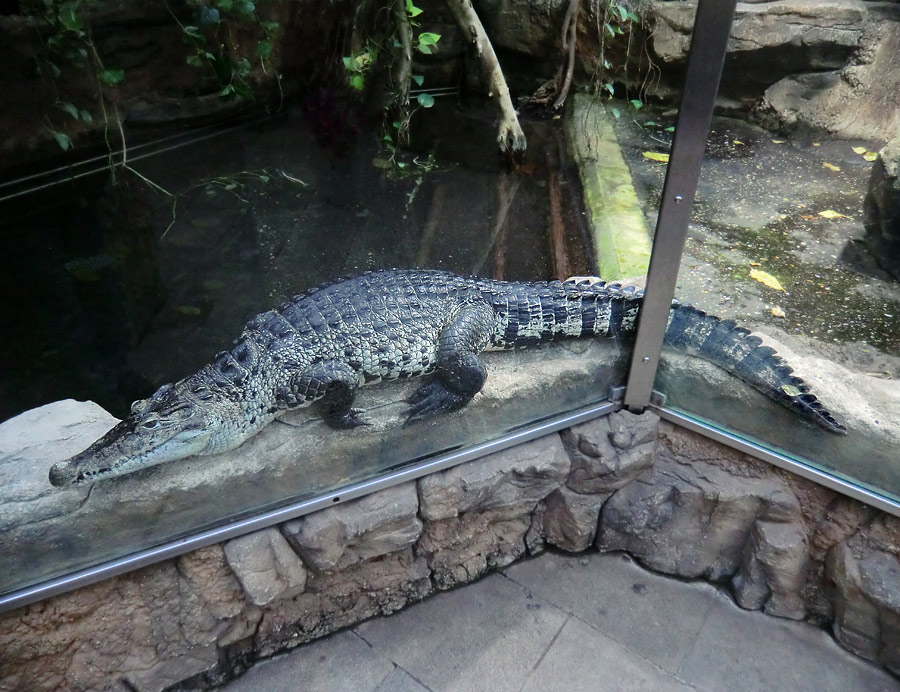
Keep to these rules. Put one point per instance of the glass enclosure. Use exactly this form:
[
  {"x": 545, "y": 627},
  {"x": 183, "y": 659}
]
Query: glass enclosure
[
  {"x": 119, "y": 280},
  {"x": 778, "y": 243},
  {"x": 122, "y": 285}
]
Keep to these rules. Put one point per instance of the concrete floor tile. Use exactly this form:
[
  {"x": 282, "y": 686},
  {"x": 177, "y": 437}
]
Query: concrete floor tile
[
  {"x": 753, "y": 652},
  {"x": 585, "y": 660},
  {"x": 340, "y": 663},
  {"x": 485, "y": 637},
  {"x": 654, "y": 616},
  {"x": 400, "y": 681}
]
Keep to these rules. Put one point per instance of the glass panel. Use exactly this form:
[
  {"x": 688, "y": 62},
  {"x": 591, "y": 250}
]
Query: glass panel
[
  {"x": 116, "y": 287},
  {"x": 794, "y": 237}
]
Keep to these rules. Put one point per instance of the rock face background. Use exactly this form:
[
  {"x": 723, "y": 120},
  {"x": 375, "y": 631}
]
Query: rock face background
[
  {"x": 680, "y": 503},
  {"x": 882, "y": 209}
]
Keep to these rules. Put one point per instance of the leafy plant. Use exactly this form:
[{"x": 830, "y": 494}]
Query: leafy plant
[{"x": 213, "y": 38}]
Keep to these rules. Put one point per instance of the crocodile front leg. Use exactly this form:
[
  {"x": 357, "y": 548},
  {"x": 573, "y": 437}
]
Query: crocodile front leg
[
  {"x": 459, "y": 374},
  {"x": 333, "y": 382}
]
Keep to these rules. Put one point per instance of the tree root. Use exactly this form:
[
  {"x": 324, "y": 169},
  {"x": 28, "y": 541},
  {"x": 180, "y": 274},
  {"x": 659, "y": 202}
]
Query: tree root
[
  {"x": 554, "y": 92},
  {"x": 510, "y": 137}
]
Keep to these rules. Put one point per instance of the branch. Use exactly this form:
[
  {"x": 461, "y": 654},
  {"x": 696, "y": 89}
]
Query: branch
[{"x": 510, "y": 136}]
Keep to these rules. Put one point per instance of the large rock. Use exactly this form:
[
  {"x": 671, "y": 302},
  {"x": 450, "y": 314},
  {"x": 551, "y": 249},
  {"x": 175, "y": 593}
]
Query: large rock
[
  {"x": 706, "y": 511},
  {"x": 867, "y": 603},
  {"x": 882, "y": 209},
  {"x": 607, "y": 453},
  {"x": 510, "y": 483},
  {"x": 856, "y": 100},
  {"x": 374, "y": 525},
  {"x": 338, "y": 599},
  {"x": 266, "y": 566},
  {"x": 479, "y": 514},
  {"x": 463, "y": 548},
  {"x": 569, "y": 519}
]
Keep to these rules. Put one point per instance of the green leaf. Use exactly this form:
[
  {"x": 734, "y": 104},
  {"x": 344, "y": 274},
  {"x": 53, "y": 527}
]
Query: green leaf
[
  {"x": 243, "y": 90},
  {"x": 111, "y": 76},
  {"x": 85, "y": 116},
  {"x": 384, "y": 164},
  {"x": 194, "y": 60},
  {"x": 425, "y": 100},
  {"x": 650, "y": 123},
  {"x": 418, "y": 79},
  {"x": 357, "y": 81},
  {"x": 269, "y": 27},
  {"x": 62, "y": 139},
  {"x": 191, "y": 30},
  {"x": 225, "y": 5},
  {"x": 609, "y": 88},
  {"x": 264, "y": 48},
  {"x": 425, "y": 48},
  {"x": 348, "y": 63},
  {"x": 623, "y": 12},
  {"x": 616, "y": 113},
  {"x": 69, "y": 19},
  {"x": 671, "y": 128},
  {"x": 68, "y": 108},
  {"x": 637, "y": 104},
  {"x": 608, "y": 28},
  {"x": 412, "y": 9},
  {"x": 633, "y": 17},
  {"x": 245, "y": 7},
  {"x": 429, "y": 38}
]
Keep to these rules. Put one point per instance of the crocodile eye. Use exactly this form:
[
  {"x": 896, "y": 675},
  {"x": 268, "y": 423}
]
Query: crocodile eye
[{"x": 150, "y": 424}]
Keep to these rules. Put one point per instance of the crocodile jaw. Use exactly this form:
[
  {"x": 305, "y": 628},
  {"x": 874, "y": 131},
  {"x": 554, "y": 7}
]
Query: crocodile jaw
[{"x": 127, "y": 448}]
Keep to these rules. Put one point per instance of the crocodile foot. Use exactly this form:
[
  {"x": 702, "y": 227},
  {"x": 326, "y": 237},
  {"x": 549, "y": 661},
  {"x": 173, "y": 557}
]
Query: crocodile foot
[{"x": 431, "y": 398}]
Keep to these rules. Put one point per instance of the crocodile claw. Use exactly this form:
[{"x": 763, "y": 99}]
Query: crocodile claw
[
  {"x": 346, "y": 420},
  {"x": 431, "y": 398}
]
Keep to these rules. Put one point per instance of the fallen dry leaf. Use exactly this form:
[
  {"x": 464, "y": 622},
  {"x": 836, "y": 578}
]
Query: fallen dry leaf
[
  {"x": 870, "y": 155},
  {"x": 777, "y": 311},
  {"x": 766, "y": 279},
  {"x": 831, "y": 166},
  {"x": 655, "y": 156},
  {"x": 808, "y": 217},
  {"x": 859, "y": 150},
  {"x": 755, "y": 264},
  {"x": 777, "y": 141},
  {"x": 831, "y": 214}
]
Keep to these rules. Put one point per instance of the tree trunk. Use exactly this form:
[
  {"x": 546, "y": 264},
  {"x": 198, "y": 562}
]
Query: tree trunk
[{"x": 510, "y": 137}]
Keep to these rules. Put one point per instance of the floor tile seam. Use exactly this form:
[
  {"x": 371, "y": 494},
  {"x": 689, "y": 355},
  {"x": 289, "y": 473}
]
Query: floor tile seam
[
  {"x": 383, "y": 655},
  {"x": 672, "y": 674},
  {"x": 545, "y": 652},
  {"x": 720, "y": 597}
]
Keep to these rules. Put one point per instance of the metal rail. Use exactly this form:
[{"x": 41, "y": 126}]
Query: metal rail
[{"x": 709, "y": 41}]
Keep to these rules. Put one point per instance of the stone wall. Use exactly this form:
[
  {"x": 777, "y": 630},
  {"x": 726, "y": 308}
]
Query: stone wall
[{"x": 680, "y": 503}]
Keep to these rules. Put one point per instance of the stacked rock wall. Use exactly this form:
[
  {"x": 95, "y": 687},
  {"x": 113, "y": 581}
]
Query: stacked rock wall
[{"x": 680, "y": 503}]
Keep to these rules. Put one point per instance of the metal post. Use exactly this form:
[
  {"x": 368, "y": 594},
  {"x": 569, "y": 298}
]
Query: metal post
[{"x": 712, "y": 26}]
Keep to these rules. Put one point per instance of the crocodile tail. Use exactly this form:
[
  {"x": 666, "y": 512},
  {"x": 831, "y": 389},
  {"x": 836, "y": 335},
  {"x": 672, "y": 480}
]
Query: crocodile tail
[{"x": 742, "y": 354}]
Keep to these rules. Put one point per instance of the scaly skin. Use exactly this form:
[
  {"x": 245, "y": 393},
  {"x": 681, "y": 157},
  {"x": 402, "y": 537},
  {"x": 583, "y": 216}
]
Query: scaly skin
[{"x": 396, "y": 325}]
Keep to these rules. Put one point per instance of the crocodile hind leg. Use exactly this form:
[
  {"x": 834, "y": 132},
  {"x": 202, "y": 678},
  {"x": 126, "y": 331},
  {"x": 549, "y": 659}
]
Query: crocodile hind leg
[
  {"x": 333, "y": 383},
  {"x": 459, "y": 374}
]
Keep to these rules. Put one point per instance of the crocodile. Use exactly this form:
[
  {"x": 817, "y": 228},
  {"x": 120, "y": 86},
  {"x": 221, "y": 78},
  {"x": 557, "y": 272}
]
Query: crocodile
[{"x": 395, "y": 325}]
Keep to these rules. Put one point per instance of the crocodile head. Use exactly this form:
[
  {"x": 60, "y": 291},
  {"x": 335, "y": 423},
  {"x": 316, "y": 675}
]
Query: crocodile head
[{"x": 163, "y": 428}]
